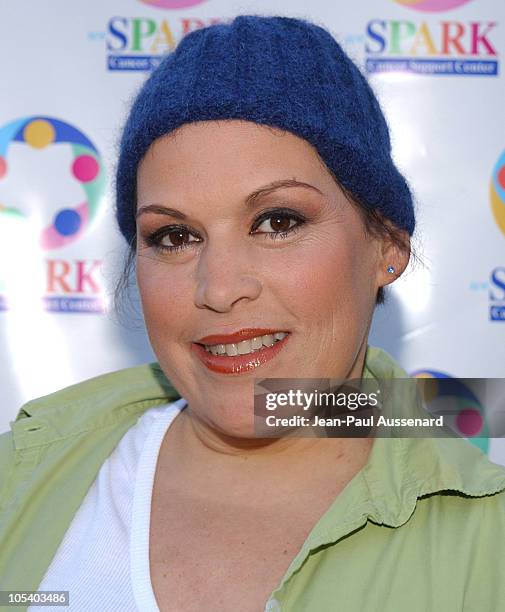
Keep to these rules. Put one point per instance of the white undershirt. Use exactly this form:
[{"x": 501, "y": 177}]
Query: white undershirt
[{"x": 103, "y": 559}]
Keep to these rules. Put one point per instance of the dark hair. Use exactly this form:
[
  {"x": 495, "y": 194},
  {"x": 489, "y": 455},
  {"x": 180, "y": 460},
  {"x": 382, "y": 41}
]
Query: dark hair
[{"x": 378, "y": 227}]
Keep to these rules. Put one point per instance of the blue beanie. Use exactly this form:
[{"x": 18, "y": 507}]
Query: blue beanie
[{"x": 277, "y": 71}]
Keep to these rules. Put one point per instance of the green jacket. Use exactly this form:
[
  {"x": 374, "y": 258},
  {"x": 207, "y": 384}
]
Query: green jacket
[{"x": 420, "y": 528}]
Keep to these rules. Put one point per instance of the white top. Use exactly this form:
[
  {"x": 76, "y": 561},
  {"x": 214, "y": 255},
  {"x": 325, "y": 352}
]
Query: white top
[{"x": 103, "y": 559}]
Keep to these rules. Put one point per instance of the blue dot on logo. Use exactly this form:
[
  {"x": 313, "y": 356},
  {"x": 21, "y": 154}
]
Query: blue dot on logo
[{"x": 67, "y": 222}]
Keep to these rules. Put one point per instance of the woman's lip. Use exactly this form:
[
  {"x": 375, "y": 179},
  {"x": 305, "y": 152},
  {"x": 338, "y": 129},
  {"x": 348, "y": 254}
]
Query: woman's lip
[
  {"x": 224, "y": 364},
  {"x": 242, "y": 334}
]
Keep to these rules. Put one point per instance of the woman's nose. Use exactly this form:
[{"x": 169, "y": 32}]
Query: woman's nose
[{"x": 225, "y": 274}]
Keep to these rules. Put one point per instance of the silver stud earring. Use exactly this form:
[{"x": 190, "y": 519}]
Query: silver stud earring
[{"x": 391, "y": 270}]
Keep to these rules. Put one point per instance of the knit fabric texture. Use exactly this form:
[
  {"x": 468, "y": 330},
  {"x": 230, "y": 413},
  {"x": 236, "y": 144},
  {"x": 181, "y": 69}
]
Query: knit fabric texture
[{"x": 277, "y": 71}]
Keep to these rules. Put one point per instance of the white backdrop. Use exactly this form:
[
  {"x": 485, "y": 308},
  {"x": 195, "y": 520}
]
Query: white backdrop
[{"x": 69, "y": 72}]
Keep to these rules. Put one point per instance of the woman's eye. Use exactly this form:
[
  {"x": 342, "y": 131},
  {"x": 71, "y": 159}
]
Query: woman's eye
[
  {"x": 277, "y": 223},
  {"x": 175, "y": 238},
  {"x": 171, "y": 239}
]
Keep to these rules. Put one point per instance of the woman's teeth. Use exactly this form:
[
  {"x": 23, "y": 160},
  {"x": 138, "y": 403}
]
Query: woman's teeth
[{"x": 245, "y": 346}]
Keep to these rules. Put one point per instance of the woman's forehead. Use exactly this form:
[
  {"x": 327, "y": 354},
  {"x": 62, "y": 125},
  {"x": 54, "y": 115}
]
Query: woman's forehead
[{"x": 231, "y": 150}]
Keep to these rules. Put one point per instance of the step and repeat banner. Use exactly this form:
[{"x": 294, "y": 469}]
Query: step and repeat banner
[{"x": 69, "y": 73}]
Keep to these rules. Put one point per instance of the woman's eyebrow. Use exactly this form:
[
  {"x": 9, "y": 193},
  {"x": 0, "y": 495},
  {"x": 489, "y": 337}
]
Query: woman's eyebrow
[
  {"x": 158, "y": 209},
  {"x": 250, "y": 200},
  {"x": 267, "y": 189}
]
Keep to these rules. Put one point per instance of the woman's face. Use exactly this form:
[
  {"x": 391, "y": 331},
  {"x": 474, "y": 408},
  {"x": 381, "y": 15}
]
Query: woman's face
[{"x": 241, "y": 227}]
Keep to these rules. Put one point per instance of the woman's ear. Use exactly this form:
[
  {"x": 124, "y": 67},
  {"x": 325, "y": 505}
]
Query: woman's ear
[{"x": 394, "y": 256}]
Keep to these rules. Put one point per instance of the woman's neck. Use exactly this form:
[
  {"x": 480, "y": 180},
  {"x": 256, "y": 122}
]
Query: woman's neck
[
  {"x": 210, "y": 466},
  {"x": 205, "y": 455}
]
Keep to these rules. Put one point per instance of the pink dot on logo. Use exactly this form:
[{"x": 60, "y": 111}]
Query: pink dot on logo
[
  {"x": 501, "y": 177},
  {"x": 3, "y": 167},
  {"x": 85, "y": 168},
  {"x": 469, "y": 422},
  {"x": 433, "y": 6},
  {"x": 172, "y": 4}
]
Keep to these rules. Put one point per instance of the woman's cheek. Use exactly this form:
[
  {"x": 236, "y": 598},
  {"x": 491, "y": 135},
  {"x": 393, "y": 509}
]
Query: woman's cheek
[
  {"x": 322, "y": 266},
  {"x": 165, "y": 293}
]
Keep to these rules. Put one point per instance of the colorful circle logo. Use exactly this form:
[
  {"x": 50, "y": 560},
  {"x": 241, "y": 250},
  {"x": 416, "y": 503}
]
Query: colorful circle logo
[
  {"x": 462, "y": 410},
  {"x": 497, "y": 192},
  {"x": 432, "y": 6},
  {"x": 172, "y": 4},
  {"x": 68, "y": 224}
]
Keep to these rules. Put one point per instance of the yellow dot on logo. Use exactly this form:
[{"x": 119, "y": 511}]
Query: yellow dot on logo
[{"x": 39, "y": 133}]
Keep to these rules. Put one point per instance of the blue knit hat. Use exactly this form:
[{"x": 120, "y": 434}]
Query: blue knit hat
[{"x": 277, "y": 71}]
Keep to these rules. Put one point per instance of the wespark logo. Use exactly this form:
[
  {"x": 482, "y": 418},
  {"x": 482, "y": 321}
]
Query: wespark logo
[
  {"x": 448, "y": 47},
  {"x": 497, "y": 295},
  {"x": 139, "y": 43},
  {"x": 70, "y": 221},
  {"x": 497, "y": 192},
  {"x": 462, "y": 409},
  {"x": 432, "y": 6},
  {"x": 172, "y": 4},
  {"x": 37, "y": 153},
  {"x": 496, "y": 285},
  {"x": 494, "y": 292}
]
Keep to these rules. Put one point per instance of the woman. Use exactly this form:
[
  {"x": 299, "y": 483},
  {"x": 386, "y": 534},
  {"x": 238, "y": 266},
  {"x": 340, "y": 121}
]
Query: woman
[{"x": 256, "y": 188}]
